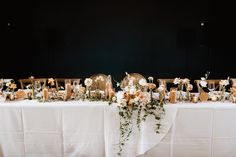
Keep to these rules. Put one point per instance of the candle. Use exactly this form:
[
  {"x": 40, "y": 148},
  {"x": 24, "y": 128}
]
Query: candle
[
  {"x": 172, "y": 95},
  {"x": 68, "y": 90},
  {"x": 214, "y": 98},
  {"x": 195, "y": 99},
  {"x": 45, "y": 94},
  {"x": 234, "y": 99},
  {"x": 111, "y": 94}
]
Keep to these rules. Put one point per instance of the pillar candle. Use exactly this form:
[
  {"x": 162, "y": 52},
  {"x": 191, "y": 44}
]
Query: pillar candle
[
  {"x": 45, "y": 94},
  {"x": 173, "y": 96},
  {"x": 68, "y": 90}
]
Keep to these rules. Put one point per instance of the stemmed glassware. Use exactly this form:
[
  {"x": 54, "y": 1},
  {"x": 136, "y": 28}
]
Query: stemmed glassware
[
  {"x": 37, "y": 86},
  {"x": 211, "y": 86}
]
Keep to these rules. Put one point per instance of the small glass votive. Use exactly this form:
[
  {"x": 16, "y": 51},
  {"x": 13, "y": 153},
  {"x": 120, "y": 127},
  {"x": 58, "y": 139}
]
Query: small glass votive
[
  {"x": 234, "y": 99},
  {"x": 195, "y": 99}
]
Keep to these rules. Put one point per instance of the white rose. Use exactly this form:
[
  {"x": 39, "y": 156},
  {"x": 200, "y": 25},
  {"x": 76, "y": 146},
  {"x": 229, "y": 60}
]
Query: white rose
[
  {"x": 142, "y": 82},
  {"x": 161, "y": 88},
  {"x": 8, "y": 84},
  {"x": 113, "y": 98},
  {"x": 150, "y": 79},
  {"x": 224, "y": 82},
  {"x": 88, "y": 82},
  {"x": 131, "y": 82},
  {"x": 203, "y": 83},
  {"x": 176, "y": 81},
  {"x": 136, "y": 99},
  {"x": 119, "y": 96},
  {"x": 127, "y": 88},
  {"x": 185, "y": 81},
  {"x": 132, "y": 90}
]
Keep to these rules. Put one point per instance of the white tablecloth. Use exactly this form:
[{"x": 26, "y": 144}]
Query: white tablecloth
[
  {"x": 91, "y": 129},
  {"x": 200, "y": 130}
]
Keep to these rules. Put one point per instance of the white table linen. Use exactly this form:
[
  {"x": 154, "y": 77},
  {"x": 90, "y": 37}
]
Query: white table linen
[{"x": 91, "y": 129}]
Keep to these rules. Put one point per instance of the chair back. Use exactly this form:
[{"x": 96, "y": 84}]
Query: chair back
[
  {"x": 167, "y": 82},
  {"x": 214, "y": 82},
  {"x": 25, "y": 82},
  {"x": 99, "y": 81},
  {"x": 60, "y": 82}
]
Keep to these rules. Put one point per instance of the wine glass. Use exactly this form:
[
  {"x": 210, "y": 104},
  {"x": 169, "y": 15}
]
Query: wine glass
[
  {"x": 75, "y": 85},
  {"x": 37, "y": 86},
  {"x": 211, "y": 86}
]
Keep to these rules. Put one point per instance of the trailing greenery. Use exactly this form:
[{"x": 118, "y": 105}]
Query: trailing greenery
[{"x": 154, "y": 109}]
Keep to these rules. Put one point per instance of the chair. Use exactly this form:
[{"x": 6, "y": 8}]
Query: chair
[
  {"x": 136, "y": 77},
  {"x": 166, "y": 82},
  {"x": 233, "y": 81},
  {"x": 60, "y": 82},
  {"x": 99, "y": 84},
  {"x": 25, "y": 82},
  {"x": 213, "y": 82}
]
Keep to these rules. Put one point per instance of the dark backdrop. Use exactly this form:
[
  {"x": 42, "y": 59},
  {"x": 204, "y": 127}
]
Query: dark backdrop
[{"x": 77, "y": 39}]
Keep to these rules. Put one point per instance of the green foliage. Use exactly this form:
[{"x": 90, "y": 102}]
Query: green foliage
[{"x": 153, "y": 109}]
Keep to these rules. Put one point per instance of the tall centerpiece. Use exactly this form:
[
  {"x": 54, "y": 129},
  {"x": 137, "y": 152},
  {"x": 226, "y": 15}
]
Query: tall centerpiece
[
  {"x": 135, "y": 106},
  {"x": 223, "y": 84},
  {"x": 88, "y": 83}
]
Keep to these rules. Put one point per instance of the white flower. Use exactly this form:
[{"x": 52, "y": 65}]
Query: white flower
[
  {"x": 161, "y": 88},
  {"x": 133, "y": 90},
  {"x": 189, "y": 87},
  {"x": 8, "y": 84},
  {"x": 120, "y": 96},
  {"x": 127, "y": 88},
  {"x": 88, "y": 82},
  {"x": 117, "y": 84},
  {"x": 224, "y": 82},
  {"x": 203, "y": 82},
  {"x": 131, "y": 81},
  {"x": 136, "y": 99},
  {"x": 77, "y": 87},
  {"x": 177, "y": 81},
  {"x": 142, "y": 82},
  {"x": 150, "y": 79},
  {"x": 185, "y": 81},
  {"x": 113, "y": 98}
]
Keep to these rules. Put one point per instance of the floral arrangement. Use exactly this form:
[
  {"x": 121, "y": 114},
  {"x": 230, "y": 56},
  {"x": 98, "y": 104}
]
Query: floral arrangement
[
  {"x": 135, "y": 106},
  {"x": 223, "y": 84},
  {"x": 88, "y": 83},
  {"x": 203, "y": 83},
  {"x": 181, "y": 84},
  {"x": 11, "y": 86}
]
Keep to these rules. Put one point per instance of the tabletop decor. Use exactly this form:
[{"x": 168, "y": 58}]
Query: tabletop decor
[
  {"x": 88, "y": 83},
  {"x": 188, "y": 89},
  {"x": 98, "y": 93},
  {"x": 203, "y": 95},
  {"x": 223, "y": 84},
  {"x": 31, "y": 89},
  {"x": 134, "y": 107},
  {"x": 173, "y": 95},
  {"x": 52, "y": 89},
  {"x": 233, "y": 93},
  {"x": 181, "y": 84},
  {"x": 10, "y": 90}
]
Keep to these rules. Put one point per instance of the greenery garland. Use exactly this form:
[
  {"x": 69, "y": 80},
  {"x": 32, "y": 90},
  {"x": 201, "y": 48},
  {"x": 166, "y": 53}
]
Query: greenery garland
[{"x": 155, "y": 109}]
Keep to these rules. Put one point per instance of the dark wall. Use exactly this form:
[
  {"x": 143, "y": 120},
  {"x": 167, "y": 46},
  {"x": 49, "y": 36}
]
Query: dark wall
[{"x": 77, "y": 39}]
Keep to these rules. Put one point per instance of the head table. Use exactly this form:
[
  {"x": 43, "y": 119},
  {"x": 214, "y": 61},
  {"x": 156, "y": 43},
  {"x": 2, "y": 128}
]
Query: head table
[{"x": 91, "y": 129}]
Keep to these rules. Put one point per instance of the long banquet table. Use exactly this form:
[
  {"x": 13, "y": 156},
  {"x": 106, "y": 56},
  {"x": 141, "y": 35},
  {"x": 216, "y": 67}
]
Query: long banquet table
[{"x": 91, "y": 129}]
